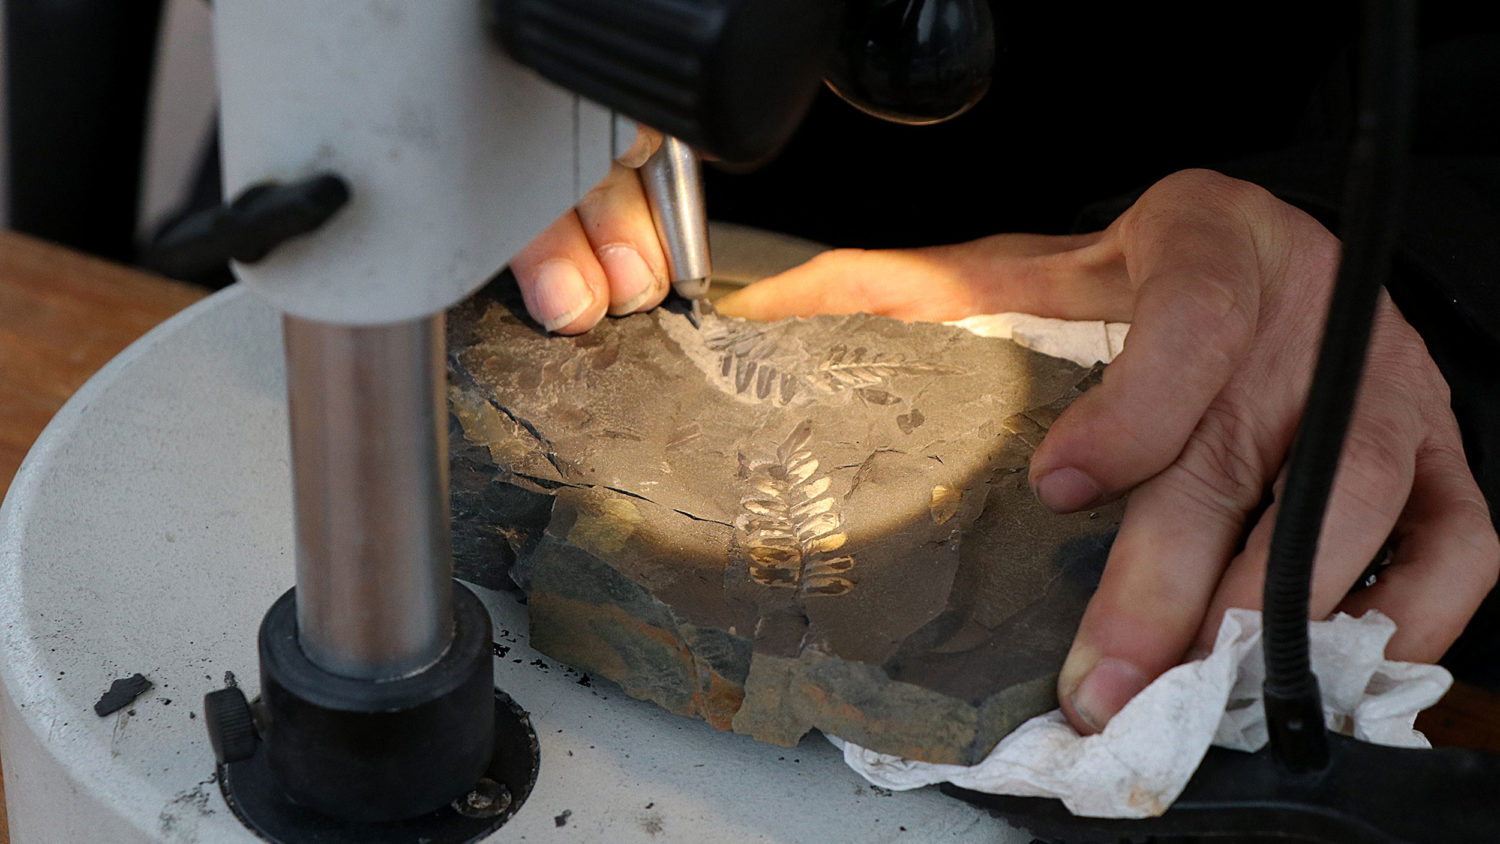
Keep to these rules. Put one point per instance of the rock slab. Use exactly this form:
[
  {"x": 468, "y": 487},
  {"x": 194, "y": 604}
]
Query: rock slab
[{"x": 816, "y": 523}]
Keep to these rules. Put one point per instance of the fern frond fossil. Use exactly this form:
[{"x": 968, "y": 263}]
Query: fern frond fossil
[
  {"x": 791, "y": 526},
  {"x": 861, "y": 368},
  {"x": 752, "y": 361},
  {"x": 746, "y": 352}
]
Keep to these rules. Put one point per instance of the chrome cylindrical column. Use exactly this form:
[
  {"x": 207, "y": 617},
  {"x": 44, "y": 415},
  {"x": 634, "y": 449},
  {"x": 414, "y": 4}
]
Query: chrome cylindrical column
[{"x": 370, "y": 486}]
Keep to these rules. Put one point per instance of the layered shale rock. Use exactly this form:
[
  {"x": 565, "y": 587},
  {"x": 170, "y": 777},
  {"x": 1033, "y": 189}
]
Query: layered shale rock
[{"x": 816, "y": 523}]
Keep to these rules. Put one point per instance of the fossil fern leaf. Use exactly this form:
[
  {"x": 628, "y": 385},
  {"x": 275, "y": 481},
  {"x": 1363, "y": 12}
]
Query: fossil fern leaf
[
  {"x": 790, "y": 522},
  {"x": 752, "y": 360}
]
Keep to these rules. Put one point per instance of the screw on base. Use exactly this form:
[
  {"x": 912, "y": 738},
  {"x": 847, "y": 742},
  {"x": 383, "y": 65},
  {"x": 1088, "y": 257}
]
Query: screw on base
[
  {"x": 231, "y": 726},
  {"x": 487, "y": 800}
]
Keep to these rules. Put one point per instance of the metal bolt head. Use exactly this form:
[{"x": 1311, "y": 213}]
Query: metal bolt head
[{"x": 488, "y": 799}]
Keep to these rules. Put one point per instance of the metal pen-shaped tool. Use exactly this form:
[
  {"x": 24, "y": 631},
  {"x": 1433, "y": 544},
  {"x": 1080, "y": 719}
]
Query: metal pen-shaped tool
[{"x": 674, "y": 190}]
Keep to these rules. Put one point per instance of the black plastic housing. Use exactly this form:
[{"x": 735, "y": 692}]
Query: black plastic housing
[
  {"x": 375, "y": 751},
  {"x": 732, "y": 78}
]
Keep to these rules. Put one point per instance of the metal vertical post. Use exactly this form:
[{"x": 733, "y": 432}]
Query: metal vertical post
[{"x": 370, "y": 486}]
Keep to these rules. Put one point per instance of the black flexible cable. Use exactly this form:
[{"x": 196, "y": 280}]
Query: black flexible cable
[{"x": 1370, "y": 219}]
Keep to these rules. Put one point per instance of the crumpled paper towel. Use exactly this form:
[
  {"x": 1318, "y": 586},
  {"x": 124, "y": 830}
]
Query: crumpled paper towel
[
  {"x": 1083, "y": 342},
  {"x": 1149, "y": 750}
]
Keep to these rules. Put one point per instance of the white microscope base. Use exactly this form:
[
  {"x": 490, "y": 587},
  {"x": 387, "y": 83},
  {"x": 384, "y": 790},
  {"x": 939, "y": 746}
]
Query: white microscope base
[{"x": 149, "y": 530}]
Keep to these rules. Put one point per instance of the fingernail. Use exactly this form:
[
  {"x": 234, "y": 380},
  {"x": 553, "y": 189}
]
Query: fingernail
[
  {"x": 561, "y": 294},
  {"x": 729, "y": 305},
  {"x": 1105, "y": 691},
  {"x": 1065, "y": 490},
  {"x": 630, "y": 277}
]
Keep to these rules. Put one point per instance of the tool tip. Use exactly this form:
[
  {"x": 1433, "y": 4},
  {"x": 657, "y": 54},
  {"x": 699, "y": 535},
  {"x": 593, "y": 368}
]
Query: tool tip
[
  {"x": 695, "y": 313},
  {"x": 691, "y": 288}
]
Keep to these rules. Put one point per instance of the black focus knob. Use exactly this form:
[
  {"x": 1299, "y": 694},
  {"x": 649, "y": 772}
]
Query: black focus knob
[
  {"x": 261, "y": 218},
  {"x": 231, "y": 727},
  {"x": 915, "y": 61},
  {"x": 732, "y": 78}
]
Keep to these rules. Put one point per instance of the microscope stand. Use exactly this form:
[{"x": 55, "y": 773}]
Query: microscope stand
[{"x": 148, "y": 531}]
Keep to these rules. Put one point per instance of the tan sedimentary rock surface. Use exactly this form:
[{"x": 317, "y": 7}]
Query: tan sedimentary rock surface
[{"x": 820, "y": 522}]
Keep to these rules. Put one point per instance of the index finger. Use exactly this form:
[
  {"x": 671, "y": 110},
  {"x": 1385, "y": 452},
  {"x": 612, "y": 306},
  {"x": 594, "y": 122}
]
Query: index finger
[{"x": 1063, "y": 276}]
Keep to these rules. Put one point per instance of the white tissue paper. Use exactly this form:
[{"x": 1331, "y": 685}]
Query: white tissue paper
[
  {"x": 1083, "y": 342},
  {"x": 1149, "y": 750}
]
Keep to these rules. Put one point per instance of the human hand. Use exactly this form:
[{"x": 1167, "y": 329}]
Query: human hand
[
  {"x": 1226, "y": 289},
  {"x": 601, "y": 256}
]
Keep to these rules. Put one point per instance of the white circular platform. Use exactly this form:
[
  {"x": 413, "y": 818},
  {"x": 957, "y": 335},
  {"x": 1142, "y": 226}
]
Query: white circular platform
[{"x": 149, "y": 530}]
